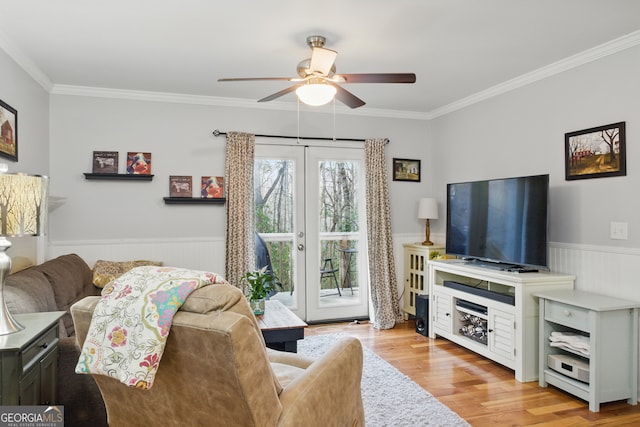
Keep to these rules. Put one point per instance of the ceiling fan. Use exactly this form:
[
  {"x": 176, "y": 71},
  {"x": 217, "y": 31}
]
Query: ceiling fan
[{"x": 317, "y": 82}]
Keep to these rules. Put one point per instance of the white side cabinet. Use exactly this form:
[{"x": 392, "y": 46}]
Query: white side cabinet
[
  {"x": 490, "y": 312},
  {"x": 416, "y": 275},
  {"x": 609, "y": 371}
]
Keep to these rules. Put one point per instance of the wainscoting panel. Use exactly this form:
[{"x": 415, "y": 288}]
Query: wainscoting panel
[
  {"x": 197, "y": 253},
  {"x": 604, "y": 270}
]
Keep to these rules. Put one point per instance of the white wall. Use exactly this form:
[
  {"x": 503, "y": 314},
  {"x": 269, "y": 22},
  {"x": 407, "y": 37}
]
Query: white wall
[
  {"x": 522, "y": 132},
  {"x": 31, "y": 101},
  {"x": 179, "y": 136}
]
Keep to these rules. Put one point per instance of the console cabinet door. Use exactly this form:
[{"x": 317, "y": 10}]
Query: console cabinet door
[
  {"x": 501, "y": 336},
  {"x": 30, "y": 387},
  {"x": 442, "y": 311},
  {"x": 48, "y": 375}
]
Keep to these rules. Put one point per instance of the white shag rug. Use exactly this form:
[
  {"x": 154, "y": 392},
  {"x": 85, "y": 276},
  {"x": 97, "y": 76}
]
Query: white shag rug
[{"x": 390, "y": 398}]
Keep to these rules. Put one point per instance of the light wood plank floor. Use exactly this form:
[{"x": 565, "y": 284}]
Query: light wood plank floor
[{"x": 481, "y": 391}]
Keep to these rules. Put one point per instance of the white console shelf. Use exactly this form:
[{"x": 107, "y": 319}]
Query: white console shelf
[
  {"x": 610, "y": 369},
  {"x": 506, "y": 328}
]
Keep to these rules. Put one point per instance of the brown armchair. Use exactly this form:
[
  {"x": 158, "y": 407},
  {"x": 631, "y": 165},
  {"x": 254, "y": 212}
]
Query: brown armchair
[{"x": 216, "y": 370}]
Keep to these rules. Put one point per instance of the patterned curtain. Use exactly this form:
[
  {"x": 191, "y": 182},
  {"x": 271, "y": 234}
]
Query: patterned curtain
[
  {"x": 382, "y": 274},
  {"x": 238, "y": 175}
]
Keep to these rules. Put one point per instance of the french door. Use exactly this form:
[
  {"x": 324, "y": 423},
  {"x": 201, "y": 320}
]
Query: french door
[{"x": 310, "y": 218}]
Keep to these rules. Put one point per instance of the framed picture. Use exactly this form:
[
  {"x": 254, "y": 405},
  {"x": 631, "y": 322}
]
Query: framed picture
[
  {"x": 212, "y": 187},
  {"x": 8, "y": 132},
  {"x": 138, "y": 163},
  {"x": 596, "y": 152},
  {"x": 105, "y": 162},
  {"x": 180, "y": 186},
  {"x": 406, "y": 170}
]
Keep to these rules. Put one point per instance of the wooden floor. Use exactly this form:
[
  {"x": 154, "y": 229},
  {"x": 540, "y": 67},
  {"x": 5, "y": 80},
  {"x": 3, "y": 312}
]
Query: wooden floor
[{"x": 481, "y": 391}]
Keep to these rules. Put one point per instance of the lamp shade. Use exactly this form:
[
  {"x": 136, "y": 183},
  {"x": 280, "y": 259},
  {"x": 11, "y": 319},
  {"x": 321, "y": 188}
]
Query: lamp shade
[
  {"x": 23, "y": 204},
  {"x": 23, "y": 208},
  {"x": 316, "y": 94},
  {"x": 428, "y": 209}
]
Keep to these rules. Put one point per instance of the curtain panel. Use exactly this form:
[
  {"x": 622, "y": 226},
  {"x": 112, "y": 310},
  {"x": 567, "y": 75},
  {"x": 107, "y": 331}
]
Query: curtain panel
[
  {"x": 382, "y": 274},
  {"x": 240, "y": 252}
]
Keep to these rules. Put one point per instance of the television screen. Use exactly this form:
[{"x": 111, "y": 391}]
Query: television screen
[{"x": 499, "y": 220}]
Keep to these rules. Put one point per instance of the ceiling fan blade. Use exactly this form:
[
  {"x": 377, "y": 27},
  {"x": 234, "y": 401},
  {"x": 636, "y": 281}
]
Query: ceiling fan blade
[
  {"x": 347, "y": 98},
  {"x": 322, "y": 60},
  {"x": 279, "y": 94},
  {"x": 246, "y": 79},
  {"x": 376, "y": 78}
]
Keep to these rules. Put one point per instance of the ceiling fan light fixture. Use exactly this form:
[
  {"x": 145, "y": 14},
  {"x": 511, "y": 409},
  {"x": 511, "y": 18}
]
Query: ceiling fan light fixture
[{"x": 316, "y": 94}]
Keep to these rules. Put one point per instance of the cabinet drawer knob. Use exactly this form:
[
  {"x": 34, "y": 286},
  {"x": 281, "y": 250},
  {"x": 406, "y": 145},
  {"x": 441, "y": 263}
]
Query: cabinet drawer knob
[
  {"x": 567, "y": 312},
  {"x": 44, "y": 345}
]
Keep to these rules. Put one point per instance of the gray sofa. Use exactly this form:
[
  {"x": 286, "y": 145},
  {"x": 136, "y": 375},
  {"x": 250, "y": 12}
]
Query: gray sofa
[{"x": 54, "y": 286}]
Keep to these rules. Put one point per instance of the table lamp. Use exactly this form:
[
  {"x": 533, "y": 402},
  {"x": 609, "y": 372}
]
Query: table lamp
[
  {"x": 427, "y": 209},
  {"x": 23, "y": 209}
]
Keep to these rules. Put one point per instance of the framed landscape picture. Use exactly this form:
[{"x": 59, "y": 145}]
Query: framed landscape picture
[
  {"x": 406, "y": 170},
  {"x": 105, "y": 162},
  {"x": 180, "y": 186},
  {"x": 138, "y": 163},
  {"x": 212, "y": 187},
  {"x": 596, "y": 152},
  {"x": 8, "y": 132}
]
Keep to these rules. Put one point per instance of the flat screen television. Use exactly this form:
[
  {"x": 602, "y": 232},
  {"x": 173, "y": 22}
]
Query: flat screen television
[{"x": 500, "y": 223}]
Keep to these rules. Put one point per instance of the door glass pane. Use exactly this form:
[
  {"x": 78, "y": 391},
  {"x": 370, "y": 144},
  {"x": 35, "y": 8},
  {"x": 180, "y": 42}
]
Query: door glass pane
[
  {"x": 274, "y": 203},
  {"x": 339, "y": 233}
]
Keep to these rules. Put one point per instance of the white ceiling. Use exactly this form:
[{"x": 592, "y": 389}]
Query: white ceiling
[{"x": 457, "y": 48}]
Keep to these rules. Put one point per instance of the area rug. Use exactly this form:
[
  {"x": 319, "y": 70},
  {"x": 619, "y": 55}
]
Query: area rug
[{"x": 390, "y": 398}]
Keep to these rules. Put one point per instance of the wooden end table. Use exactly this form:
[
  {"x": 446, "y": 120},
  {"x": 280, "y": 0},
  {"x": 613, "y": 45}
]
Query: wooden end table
[{"x": 281, "y": 328}]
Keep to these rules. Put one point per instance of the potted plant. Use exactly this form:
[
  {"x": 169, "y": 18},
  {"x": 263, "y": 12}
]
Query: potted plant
[{"x": 257, "y": 285}]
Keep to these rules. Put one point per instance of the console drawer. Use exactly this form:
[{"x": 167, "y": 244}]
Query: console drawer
[
  {"x": 567, "y": 315},
  {"x": 34, "y": 352}
]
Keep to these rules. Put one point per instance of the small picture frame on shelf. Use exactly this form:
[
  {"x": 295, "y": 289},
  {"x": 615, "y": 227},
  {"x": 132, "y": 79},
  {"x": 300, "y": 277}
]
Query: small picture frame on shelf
[
  {"x": 138, "y": 163},
  {"x": 105, "y": 162},
  {"x": 8, "y": 132},
  {"x": 212, "y": 187},
  {"x": 180, "y": 186}
]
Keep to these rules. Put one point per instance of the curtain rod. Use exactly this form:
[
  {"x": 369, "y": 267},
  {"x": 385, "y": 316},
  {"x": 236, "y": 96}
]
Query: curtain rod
[{"x": 218, "y": 133}]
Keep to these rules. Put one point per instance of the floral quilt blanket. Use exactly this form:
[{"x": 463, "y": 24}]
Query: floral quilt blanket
[{"x": 131, "y": 322}]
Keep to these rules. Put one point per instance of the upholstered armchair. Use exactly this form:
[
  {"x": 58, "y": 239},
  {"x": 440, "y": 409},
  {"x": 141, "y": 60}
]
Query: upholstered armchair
[{"x": 216, "y": 370}]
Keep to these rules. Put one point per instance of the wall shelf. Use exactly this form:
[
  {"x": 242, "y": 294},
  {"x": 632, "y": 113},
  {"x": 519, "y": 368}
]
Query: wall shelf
[
  {"x": 193, "y": 201},
  {"x": 117, "y": 176}
]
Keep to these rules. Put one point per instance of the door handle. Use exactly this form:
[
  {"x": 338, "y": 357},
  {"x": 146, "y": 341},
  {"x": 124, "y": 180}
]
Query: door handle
[{"x": 301, "y": 247}]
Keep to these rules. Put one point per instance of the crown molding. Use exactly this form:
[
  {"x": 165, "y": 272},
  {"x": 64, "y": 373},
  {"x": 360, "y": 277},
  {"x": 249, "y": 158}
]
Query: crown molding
[
  {"x": 25, "y": 62},
  {"x": 593, "y": 54},
  {"x": 178, "y": 98}
]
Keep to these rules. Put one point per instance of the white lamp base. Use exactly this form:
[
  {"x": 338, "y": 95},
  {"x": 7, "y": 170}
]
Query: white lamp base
[{"x": 8, "y": 324}]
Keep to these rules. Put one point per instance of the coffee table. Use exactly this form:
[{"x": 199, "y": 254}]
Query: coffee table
[{"x": 280, "y": 328}]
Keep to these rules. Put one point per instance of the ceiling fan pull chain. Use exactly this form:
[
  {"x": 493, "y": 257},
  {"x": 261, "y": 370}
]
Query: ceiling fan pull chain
[
  {"x": 298, "y": 120},
  {"x": 334, "y": 120}
]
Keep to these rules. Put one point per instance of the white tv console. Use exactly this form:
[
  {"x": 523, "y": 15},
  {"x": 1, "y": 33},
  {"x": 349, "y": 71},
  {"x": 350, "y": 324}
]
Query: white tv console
[{"x": 494, "y": 328}]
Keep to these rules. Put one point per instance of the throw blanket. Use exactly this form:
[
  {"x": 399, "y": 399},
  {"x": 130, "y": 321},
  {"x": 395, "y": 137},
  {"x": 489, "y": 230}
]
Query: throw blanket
[
  {"x": 571, "y": 341},
  {"x": 131, "y": 322}
]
